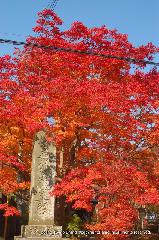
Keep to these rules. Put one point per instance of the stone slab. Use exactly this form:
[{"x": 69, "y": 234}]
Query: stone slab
[{"x": 41, "y": 211}]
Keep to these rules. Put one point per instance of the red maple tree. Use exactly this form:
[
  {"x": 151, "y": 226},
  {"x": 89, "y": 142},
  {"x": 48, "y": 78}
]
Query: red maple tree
[{"x": 105, "y": 109}]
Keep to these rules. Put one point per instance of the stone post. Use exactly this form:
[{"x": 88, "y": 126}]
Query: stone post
[{"x": 41, "y": 209}]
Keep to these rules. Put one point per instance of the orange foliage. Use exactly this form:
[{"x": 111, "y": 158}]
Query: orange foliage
[{"x": 97, "y": 106}]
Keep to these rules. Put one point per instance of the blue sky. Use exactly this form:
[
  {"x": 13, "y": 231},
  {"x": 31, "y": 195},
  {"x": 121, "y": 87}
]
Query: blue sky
[{"x": 138, "y": 18}]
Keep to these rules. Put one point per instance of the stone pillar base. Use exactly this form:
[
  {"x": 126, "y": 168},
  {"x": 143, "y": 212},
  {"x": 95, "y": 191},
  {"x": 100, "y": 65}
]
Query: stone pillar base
[{"x": 40, "y": 232}]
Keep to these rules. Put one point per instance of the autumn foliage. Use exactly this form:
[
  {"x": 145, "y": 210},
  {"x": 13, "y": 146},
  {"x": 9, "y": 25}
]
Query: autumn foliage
[{"x": 103, "y": 108}]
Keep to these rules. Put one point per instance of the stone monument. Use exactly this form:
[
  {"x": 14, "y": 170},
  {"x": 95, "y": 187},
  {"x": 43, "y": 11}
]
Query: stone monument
[{"x": 41, "y": 210}]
